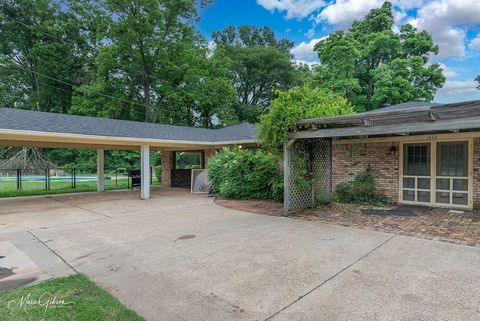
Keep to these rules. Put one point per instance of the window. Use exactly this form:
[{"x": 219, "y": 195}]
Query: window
[
  {"x": 452, "y": 159},
  {"x": 188, "y": 160},
  {"x": 436, "y": 173},
  {"x": 416, "y": 160}
]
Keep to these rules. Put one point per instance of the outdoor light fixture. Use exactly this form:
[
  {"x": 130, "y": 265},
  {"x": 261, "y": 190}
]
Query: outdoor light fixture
[{"x": 392, "y": 150}]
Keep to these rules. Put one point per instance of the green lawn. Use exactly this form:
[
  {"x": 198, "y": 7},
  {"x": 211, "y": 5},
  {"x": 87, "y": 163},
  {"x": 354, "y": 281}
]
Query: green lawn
[
  {"x": 9, "y": 188},
  {"x": 71, "y": 298}
]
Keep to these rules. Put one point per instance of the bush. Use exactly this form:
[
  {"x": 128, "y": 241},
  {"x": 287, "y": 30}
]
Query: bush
[
  {"x": 295, "y": 104},
  {"x": 246, "y": 174},
  {"x": 322, "y": 198},
  {"x": 158, "y": 172},
  {"x": 361, "y": 190}
]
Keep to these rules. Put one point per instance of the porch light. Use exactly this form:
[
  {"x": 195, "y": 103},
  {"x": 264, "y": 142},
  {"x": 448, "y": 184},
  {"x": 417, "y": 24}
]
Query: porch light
[{"x": 392, "y": 150}]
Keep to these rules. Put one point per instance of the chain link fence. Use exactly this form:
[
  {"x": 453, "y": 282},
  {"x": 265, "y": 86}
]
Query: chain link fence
[{"x": 38, "y": 181}]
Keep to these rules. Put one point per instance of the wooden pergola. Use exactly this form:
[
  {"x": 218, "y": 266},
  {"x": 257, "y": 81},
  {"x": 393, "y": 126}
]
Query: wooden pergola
[{"x": 395, "y": 122}]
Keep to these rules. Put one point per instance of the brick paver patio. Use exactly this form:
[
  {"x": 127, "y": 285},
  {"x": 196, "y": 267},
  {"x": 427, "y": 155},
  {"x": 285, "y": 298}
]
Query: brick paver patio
[{"x": 429, "y": 223}]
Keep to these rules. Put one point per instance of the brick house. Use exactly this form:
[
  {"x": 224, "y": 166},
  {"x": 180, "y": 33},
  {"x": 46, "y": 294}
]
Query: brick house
[{"x": 420, "y": 153}]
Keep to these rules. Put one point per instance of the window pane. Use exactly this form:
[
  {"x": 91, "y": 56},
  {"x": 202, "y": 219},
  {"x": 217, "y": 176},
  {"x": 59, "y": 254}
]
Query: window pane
[
  {"x": 443, "y": 197},
  {"x": 409, "y": 195},
  {"x": 452, "y": 159},
  {"x": 423, "y": 183},
  {"x": 460, "y": 198},
  {"x": 409, "y": 182},
  {"x": 416, "y": 159},
  {"x": 460, "y": 185},
  {"x": 443, "y": 183},
  {"x": 423, "y": 196},
  {"x": 188, "y": 160}
]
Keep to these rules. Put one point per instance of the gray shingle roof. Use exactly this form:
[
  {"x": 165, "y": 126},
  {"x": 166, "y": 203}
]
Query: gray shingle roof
[{"x": 17, "y": 119}]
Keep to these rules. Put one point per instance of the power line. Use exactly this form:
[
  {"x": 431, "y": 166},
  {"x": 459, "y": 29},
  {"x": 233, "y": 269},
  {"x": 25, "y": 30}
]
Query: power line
[
  {"x": 94, "y": 92},
  {"x": 77, "y": 86},
  {"x": 74, "y": 44}
]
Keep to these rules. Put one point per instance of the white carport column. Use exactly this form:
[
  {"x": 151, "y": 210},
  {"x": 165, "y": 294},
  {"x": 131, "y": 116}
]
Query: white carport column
[
  {"x": 145, "y": 172},
  {"x": 100, "y": 170}
]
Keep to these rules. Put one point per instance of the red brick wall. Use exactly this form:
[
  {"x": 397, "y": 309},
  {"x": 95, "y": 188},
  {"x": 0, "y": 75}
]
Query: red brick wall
[
  {"x": 166, "y": 168},
  {"x": 476, "y": 173},
  {"x": 349, "y": 159}
]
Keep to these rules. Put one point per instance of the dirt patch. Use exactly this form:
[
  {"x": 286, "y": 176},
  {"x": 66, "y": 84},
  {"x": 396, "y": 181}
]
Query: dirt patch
[{"x": 253, "y": 206}]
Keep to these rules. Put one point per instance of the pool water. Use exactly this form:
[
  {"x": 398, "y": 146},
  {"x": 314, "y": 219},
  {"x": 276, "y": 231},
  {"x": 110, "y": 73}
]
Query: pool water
[{"x": 52, "y": 178}]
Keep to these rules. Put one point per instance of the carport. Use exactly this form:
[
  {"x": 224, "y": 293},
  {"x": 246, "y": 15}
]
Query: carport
[{"x": 25, "y": 128}]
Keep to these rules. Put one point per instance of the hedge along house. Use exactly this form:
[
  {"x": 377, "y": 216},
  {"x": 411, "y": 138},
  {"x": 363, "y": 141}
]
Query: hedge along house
[
  {"x": 420, "y": 153},
  {"x": 24, "y": 128}
]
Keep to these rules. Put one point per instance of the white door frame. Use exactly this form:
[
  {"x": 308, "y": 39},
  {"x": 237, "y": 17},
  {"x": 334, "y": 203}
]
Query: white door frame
[{"x": 433, "y": 171}]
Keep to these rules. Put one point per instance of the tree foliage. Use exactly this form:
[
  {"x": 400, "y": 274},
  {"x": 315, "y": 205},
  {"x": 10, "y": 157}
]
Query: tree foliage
[
  {"x": 259, "y": 64},
  {"x": 295, "y": 104},
  {"x": 42, "y": 55},
  {"x": 373, "y": 65}
]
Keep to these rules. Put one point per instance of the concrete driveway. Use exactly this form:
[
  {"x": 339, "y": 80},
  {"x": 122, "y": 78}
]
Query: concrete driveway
[{"x": 181, "y": 257}]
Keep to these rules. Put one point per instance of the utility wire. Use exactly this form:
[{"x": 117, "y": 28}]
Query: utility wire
[
  {"x": 75, "y": 44},
  {"x": 94, "y": 92}
]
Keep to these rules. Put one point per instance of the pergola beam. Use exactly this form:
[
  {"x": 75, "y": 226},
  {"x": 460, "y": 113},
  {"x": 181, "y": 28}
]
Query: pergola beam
[{"x": 423, "y": 127}]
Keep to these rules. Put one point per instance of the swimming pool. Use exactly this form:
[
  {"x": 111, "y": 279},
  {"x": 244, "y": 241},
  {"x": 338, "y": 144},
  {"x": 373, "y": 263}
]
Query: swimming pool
[{"x": 52, "y": 178}]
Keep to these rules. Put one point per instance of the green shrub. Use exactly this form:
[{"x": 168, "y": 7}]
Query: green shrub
[
  {"x": 322, "y": 198},
  {"x": 158, "y": 172},
  {"x": 295, "y": 104},
  {"x": 361, "y": 190},
  {"x": 246, "y": 174}
]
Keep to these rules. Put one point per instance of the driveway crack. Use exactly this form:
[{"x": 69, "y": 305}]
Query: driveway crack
[
  {"x": 77, "y": 206},
  {"x": 330, "y": 278},
  {"x": 53, "y": 251}
]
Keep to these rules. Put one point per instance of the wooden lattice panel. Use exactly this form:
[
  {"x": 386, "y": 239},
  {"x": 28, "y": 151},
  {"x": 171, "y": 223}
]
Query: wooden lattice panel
[{"x": 320, "y": 166}]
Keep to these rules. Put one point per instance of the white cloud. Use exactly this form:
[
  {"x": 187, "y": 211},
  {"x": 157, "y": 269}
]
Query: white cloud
[
  {"x": 211, "y": 46},
  {"x": 344, "y": 12},
  {"x": 475, "y": 43},
  {"x": 311, "y": 64},
  {"x": 448, "y": 71},
  {"x": 310, "y": 33},
  {"x": 458, "y": 88},
  {"x": 442, "y": 19},
  {"x": 445, "y": 20},
  {"x": 293, "y": 8},
  {"x": 304, "y": 50}
]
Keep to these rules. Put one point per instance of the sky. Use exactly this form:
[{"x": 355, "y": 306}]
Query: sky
[{"x": 453, "y": 24}]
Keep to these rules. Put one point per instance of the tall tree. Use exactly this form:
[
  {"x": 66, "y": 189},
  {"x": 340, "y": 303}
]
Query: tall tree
[
  {"x": 41, "y": 55},
  {"x": 373, "y": 65},
  {"x": 140, "y": 39},
  {"x": 478, "y": 82},
  {"x": 259, "y": 65}
]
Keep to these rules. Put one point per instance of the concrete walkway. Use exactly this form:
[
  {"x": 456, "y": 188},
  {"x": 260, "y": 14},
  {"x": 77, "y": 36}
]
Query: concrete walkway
[{"x": 181, "y": 257}]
